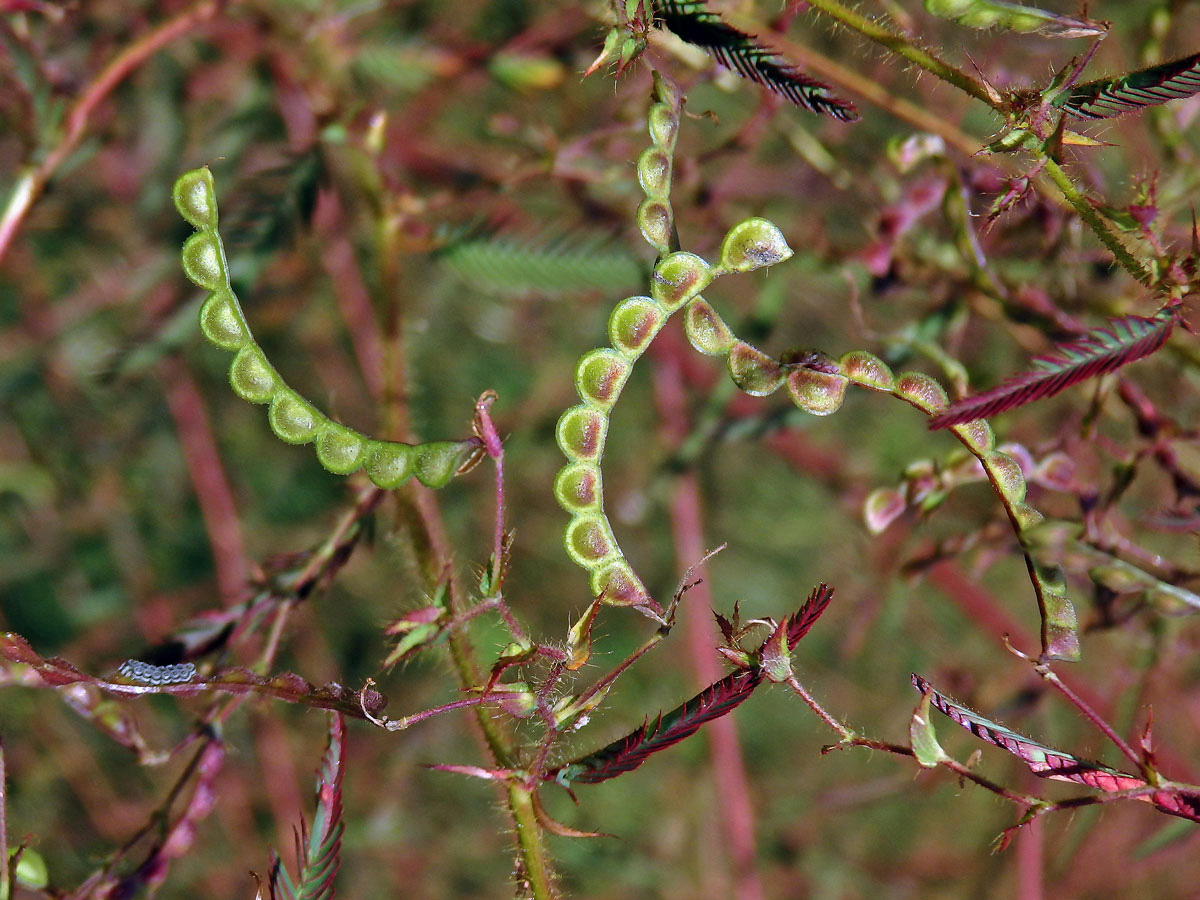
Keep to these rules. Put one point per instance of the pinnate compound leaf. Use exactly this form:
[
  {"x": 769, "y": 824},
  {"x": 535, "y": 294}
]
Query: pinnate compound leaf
[
  {"x": 1047, "y": 762},
  {"x": 507, "y": 265},
  {"x": 1103, "y": 350},
  {"x": 320, "y": 851},
  {"x": 1110, "y": 97},
  {"x": 629, "y": 752},
  {"x": 716, "y": 700},
  {"x": 803, "y": 619},
  {"x": 691, "y": 21}
]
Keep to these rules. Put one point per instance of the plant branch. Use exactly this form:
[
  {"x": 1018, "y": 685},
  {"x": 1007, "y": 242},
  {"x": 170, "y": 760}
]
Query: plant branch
[
  {"x": 33, "y": 181},
  {"x": 1089, "y": 215},
  {"x": 902, "y": 46}
]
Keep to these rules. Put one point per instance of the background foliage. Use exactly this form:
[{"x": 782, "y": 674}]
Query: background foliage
[{"x": 421, "y": 205}]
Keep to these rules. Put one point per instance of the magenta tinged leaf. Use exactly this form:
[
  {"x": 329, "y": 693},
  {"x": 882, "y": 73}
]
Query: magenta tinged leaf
[
  {"x": 1125, "y": 340},
  {"x": 804, "y": 619},
  {"x": 631, "y": 751},
  {"x": 320, "y": 854},
  {"x": 1050, "y": 763}
]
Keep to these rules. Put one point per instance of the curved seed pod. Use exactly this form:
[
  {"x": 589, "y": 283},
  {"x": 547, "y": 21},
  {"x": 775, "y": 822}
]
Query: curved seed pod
[
  {"x": 590, "y": 542},
  {"x": 222, "y": 323},
  {"x": 293, "y": 419},
  {"x": 578, "y": 488},
  {"x": 654, "y": 172},
  {"x": 655, "y": 218},
  {"x": 618, "y": 583},
  {"x": 977, "y": 436},
  {"x": 1006, "y": 474},
  {"x": 818, "y": 385},
  {"x": 819, "y": 393},
  {"x": 657, "y": 223},
  {"x": 633, "y": 325},
  {"x": 581, "y": 432},
  {"x": 753, "y": 371},
  {"x": 922, "y": 392},
  {"x": 867, "y": 370},
  {"x": 600, "y": 376},
  {"x": 679, "y": 278}
]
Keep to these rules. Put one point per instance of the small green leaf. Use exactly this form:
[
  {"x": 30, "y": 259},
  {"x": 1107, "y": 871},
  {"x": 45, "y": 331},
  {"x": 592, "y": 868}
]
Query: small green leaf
[{"x": 925, "y": 746}]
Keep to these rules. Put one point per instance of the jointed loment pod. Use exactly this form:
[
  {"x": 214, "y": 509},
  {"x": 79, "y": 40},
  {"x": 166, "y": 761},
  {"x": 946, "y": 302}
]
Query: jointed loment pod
[
  {"x": 601, "y": 374},
  {"x": 340, "y": 450}
]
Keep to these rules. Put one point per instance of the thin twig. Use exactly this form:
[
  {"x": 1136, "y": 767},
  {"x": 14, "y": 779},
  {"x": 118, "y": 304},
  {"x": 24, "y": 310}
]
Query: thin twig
[{"x": 30, "y": 185}]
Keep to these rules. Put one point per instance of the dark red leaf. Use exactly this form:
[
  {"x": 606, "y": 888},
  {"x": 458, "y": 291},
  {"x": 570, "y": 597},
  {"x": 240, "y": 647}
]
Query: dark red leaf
[
  {"x": 632, "y": 750},
  {"x": 1125, "y": 340},
  {"x": 1050, "y": 763}
]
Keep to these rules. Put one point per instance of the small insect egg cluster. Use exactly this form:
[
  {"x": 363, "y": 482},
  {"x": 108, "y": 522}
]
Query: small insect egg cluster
[
  {"x": 145, "y": 673},
  {"x": 341, "y": 450}
]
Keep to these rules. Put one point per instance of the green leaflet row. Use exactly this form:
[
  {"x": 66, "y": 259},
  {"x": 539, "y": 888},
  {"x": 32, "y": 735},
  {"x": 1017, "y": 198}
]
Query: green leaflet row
[{"x": 340, "y": 450}]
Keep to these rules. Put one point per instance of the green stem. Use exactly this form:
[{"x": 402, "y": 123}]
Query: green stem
[
  {"x": 536, "y": 879},
  {"x": 902, "y": 46},
  {"x": 1089, "y": 215}
]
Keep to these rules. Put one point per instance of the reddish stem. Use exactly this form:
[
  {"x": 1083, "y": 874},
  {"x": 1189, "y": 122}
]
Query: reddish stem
[
  {"x": 353, "y": 298},
  {"x": 736, "y": 821},
  {"x": 213, "y": 494},
  {"x": 30, "y": 186}
]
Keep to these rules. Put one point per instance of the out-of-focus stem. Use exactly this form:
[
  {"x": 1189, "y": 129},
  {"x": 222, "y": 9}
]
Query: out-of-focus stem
[
  {"x": 902, "y": 46},
  {"x": 687, "y": 531},
  {"x": 207, "y": 474},
  {"x": 1092, "y": 218},
  {"x": 33, "y": 181}
]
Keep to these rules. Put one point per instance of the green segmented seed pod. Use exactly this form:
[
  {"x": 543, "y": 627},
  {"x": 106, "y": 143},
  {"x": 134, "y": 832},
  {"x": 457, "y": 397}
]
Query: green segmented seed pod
[
  {"x": 633, "y": 325},
  {"x": 654, "y": 171},
  {"x": 600, "y": 376},
  {"x": 922, "y": 392},
  {"x": 867, "y": 370},
  {"x": 1012, "y": 17},
  {"x": 578, "y": 488},
  {"x": 293, "y": 419},
  {"x": 706, "y": 330},
  {"x": 978, "y": 435},
  {"x": 657, "y": 223},
  {"x": 1007, "y": 475},
  {"x": 679, "y": 278},
  {"x": 753, "y": 244},
  {"x": 581, "y": 432},
  {"x": 818, "y": 393},
  {"x": 756, "y": 373}
]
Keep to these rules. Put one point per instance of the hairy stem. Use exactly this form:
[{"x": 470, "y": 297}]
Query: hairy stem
[
  {"x": 1089, "y": 215},
  {"x": 536, "y": 878},
  {"x": 33, "y": 181},
  {"x": 902, "y": 46}
]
